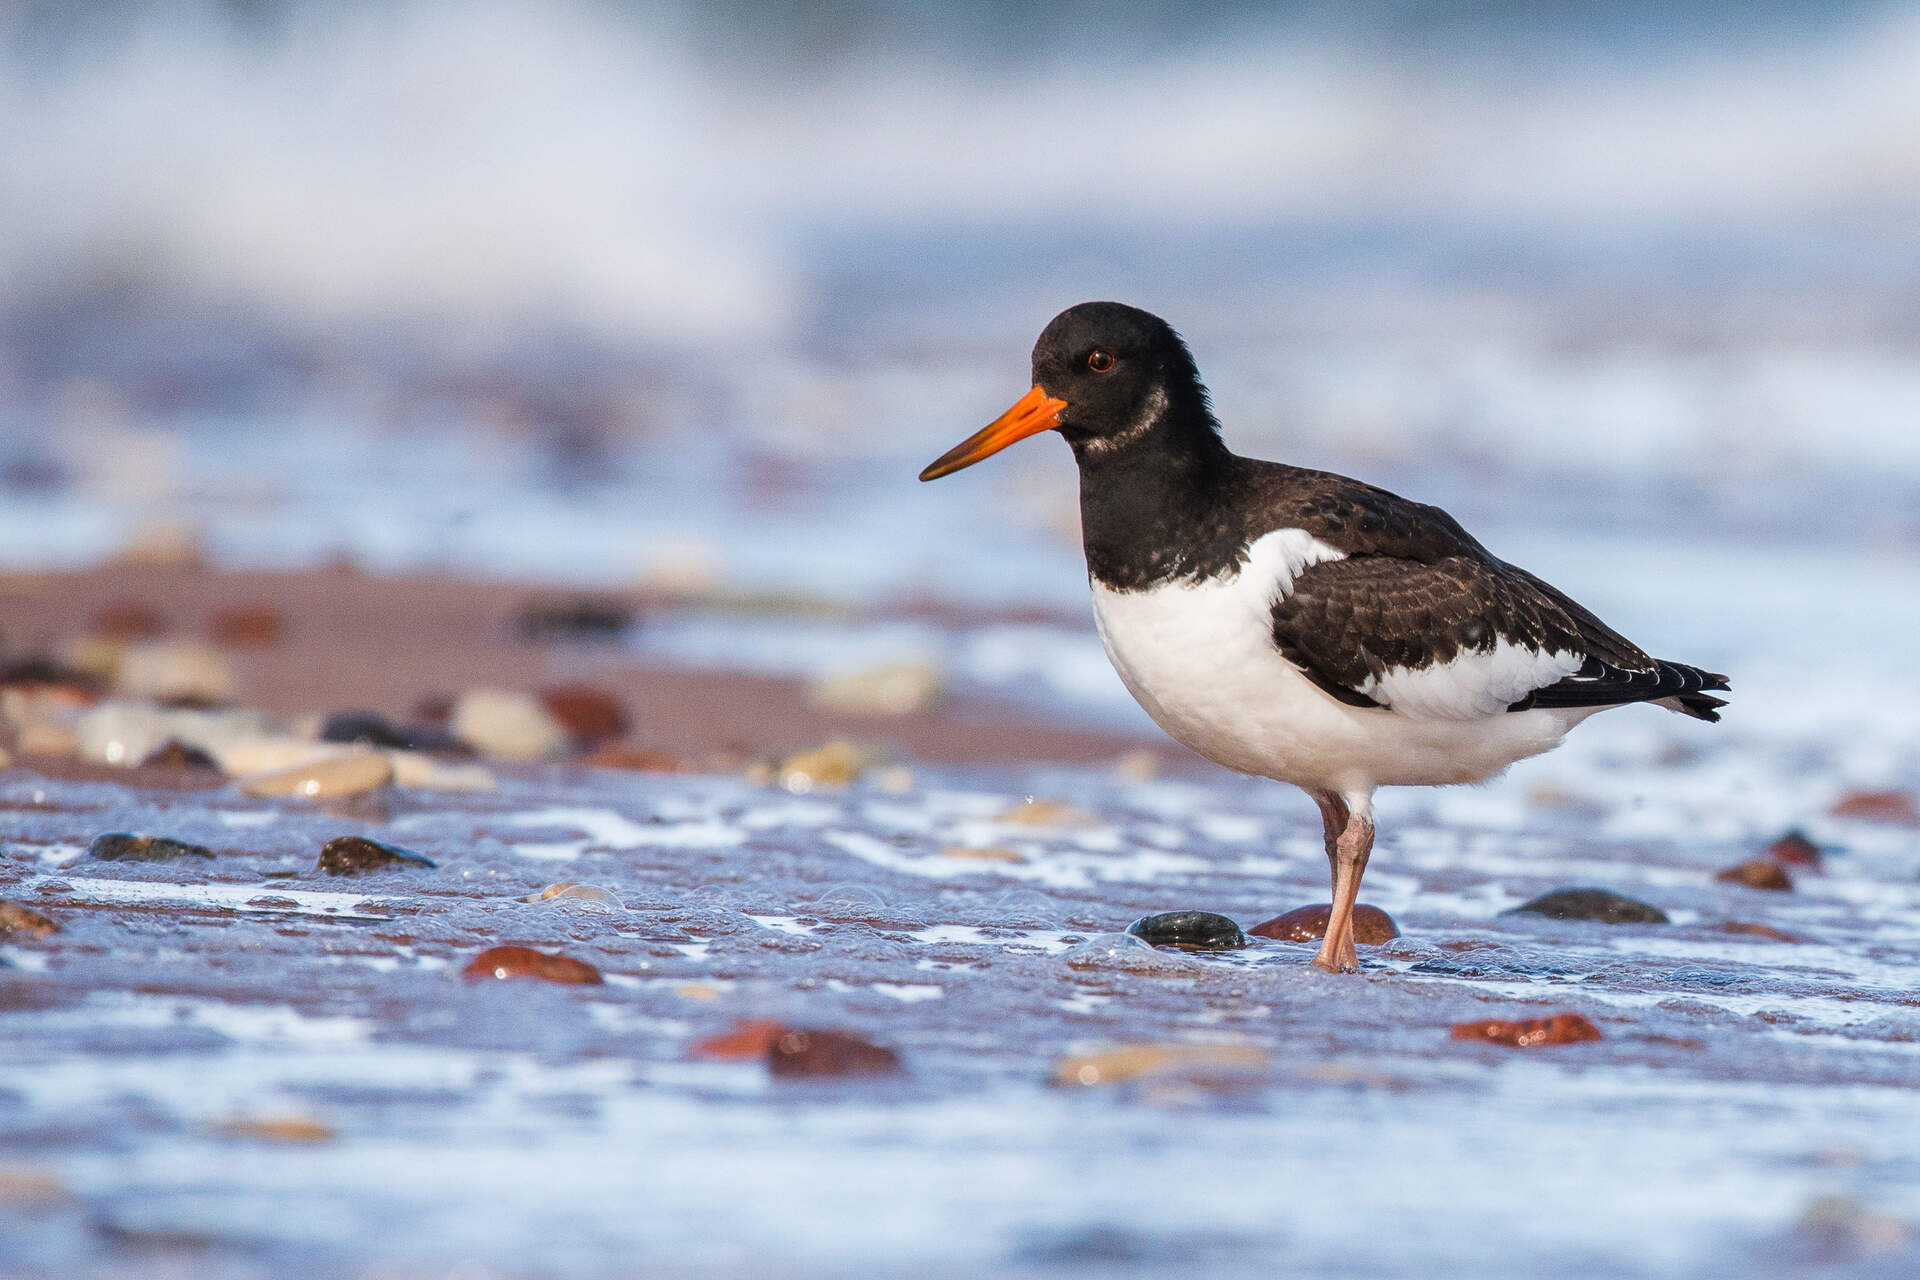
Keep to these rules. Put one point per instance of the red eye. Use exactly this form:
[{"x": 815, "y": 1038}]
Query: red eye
[{"x": 1099, "y": 360}]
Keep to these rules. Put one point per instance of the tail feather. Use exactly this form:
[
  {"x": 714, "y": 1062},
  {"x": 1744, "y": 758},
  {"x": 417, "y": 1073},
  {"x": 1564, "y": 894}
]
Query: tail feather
[{"x": 1673, "y": 685}]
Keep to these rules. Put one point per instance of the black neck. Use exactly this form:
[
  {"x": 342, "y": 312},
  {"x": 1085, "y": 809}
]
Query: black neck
[{"x": 1156, "y": 508}]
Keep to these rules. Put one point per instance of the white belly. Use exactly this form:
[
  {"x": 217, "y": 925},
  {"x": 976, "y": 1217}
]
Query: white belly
[{"x": 1200, "y": 658}]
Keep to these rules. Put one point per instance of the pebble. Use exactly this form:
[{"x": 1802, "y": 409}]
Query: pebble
[
  {"x": 351, "y": 773},
  {"x": 1602, "y": 905},
  {"x": 247, "y": 626},
  {"x": 273, "y": 752},
  {"x": 834, "y": 763},
  {"x": 749, "y": 1039},
  {"x": 46, "y": 678},
  {"x": 986, "y": 853},
  {"x": 582, "y": 894},
  {"x": 621, "y": 755},
  {"x": 128, "y": 620},
  {"x": 803, "y": 1054},
  {"x": 16, "y": 919},
  {"x": 1189, "y": 931},
  {"x": 276, "y": 1129},
  {"x": 1047, "y": 813},
  {"x": 1757, "y": 873},
  {"x": 525, "y": 962},
  {"x": 374, "y": 730},
  {"x": 574, "y": 618},
  {"x": 353, "y": 855},
  {"x": 129, "y": 732},
  {"x": 1878, "y": 806},
  {"x": 416, "y": 769},
  {"x": 1134, "y": 1062},
  {"x": 1559, "y": 1028},
  {"x": 1371, "y": 925},
  {"x": 175, "y": 754},
  {"x": 177, "y": 671},
  {"x": 121, "y": 846},
  {"x": 891, "y": 689},
  {"x": 507, "y": 724},
  {"x": 1795, "y": 850},
  {"x": 590, "y": 716},
  {"x": 1746, "y": 929}
]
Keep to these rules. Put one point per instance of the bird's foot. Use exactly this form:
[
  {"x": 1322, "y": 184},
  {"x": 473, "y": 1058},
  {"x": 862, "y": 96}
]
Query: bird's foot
[{"x": 1338, "y": 959}]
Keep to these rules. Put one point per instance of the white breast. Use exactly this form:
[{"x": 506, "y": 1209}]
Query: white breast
[{"x": 1200, "y": 658}]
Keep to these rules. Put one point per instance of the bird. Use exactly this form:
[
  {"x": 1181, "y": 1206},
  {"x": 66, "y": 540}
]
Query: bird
[{"x": 1296, "y": 624}]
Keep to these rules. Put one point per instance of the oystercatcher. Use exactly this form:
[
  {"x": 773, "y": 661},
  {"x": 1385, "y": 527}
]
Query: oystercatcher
[{"x": 1296, "y": 624}]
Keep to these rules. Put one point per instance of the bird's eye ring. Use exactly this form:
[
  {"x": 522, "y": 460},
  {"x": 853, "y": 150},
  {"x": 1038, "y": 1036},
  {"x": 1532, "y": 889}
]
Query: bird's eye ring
[{"x": 1100, "y": 360}]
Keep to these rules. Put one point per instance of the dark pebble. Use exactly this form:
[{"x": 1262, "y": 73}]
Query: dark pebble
[
  {"x": 352, "y": 855},
  {"x": 577, "y": 618},
  {"x": 801, "y": 1054},
  {"x": 1757, "y": 873},
  {"x": 175, "y": 754},
  {"x": 1189, "y": 930},
  {"x": 15, "y": 918},
  {"x": 589, "y": 715},
  {"x": 1561, "y": 1028},
  {"x": 119, "y": 846},
  {"x": 1371, "y": 925},
  {"x": 42, "y": 673},
  {"x": 377, "y": 731},
  {"x": 525, "y": 962},
  {"x": 1795, "y": 850},
  {"x": 1601, "y": 905}
]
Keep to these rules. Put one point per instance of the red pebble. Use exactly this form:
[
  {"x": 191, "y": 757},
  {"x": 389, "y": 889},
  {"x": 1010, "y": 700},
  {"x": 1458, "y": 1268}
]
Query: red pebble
[
  {"x": 1795, "y": 850},
  {"x": 1757, "y": 873},
  {"x": 750, "y": 1038},
  {"x": 525, "y": 962},
  {"x": 618, "y": 755},
  {"x": 245, "y": 626},
  {"x": 129, "y": 620},
  {"x": 800, "y": 1053},
  {"x": 1878, "y": 806},
  {"x": 1371, "y": 925},
  {"x": 1747, "y": 929},
  {"x": 1561, "y": 1028},
  {"x": 589, "y": 715}
]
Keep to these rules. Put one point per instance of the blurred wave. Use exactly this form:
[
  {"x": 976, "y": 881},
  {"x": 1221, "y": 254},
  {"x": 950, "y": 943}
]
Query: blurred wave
[{"x": 648, "y": 172}]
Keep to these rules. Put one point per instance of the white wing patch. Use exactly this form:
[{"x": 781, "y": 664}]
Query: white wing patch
[
  {"x": 1275, "y": 559},
  {"x": 1481, "y": 682}
]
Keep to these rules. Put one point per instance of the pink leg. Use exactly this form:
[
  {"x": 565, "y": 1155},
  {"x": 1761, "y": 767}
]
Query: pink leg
[{"x": 1349, "y": 853}]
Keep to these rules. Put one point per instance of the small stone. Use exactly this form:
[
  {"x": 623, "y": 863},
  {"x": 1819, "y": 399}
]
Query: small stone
[
  {"x": 1795, "y": 850},
  {"x": 175, "y": 754},
  {"x": 1757, "y": 873},
  {"x": 525, "y": 962},
  {"x": 1601, "y": 905},
  {"x": 128, "y": 620},
  {"x": 892, "y": 689},
  {"x": 247, "y": 626},
  {"x": 276, "y": 1129},
  {"x": 589, "y": 715},
  {"x": 1896, "y": 807},
  {"x": 1189, "y": 931},
  {"x": 1560, "y": 1028},
  {"x": 620, "y": 755},
  {"x": 337, "y": 777},
  {"x": 273, "y": 753},
  {"x": 1746, "y": 929},
  {"x": 508, "y": 724},
  {"x": 182, "y": 672},
  {"x": 374, "y": 730},
  {"x": 750, "y": 1039},
  {"x": 988, "y": 853},
  {"x": 1371, "y": 925},
  {"x": 1047, "y": 813},
  {"x": 121, "y": 846},
  {"x": 801, "y": 1054},
  {"x": 20, "y": 921},
  {"x": 355, "y": 855},
  {"x": 834, "y": 763},
  {"x": 43, "y": 676},
  {"x": 127, "y": 733},
  {"x": 1139, "y": 1061},
  {"x": 594, "y": 618},
  {"x": 416, "y": 769}
]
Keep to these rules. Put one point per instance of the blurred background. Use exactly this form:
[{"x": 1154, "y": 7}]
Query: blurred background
[{"x": 616, "y": 292}]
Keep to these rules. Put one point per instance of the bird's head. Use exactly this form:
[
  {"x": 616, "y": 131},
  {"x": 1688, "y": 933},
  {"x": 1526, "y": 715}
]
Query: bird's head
[{"x": 1104, "y": 375}]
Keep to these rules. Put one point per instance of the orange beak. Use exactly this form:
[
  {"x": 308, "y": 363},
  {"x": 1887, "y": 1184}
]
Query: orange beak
[{"x": 1033, "y": 413}]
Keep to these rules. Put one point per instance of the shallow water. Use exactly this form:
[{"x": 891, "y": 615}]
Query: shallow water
[{"x": 537, "y": 1128}]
